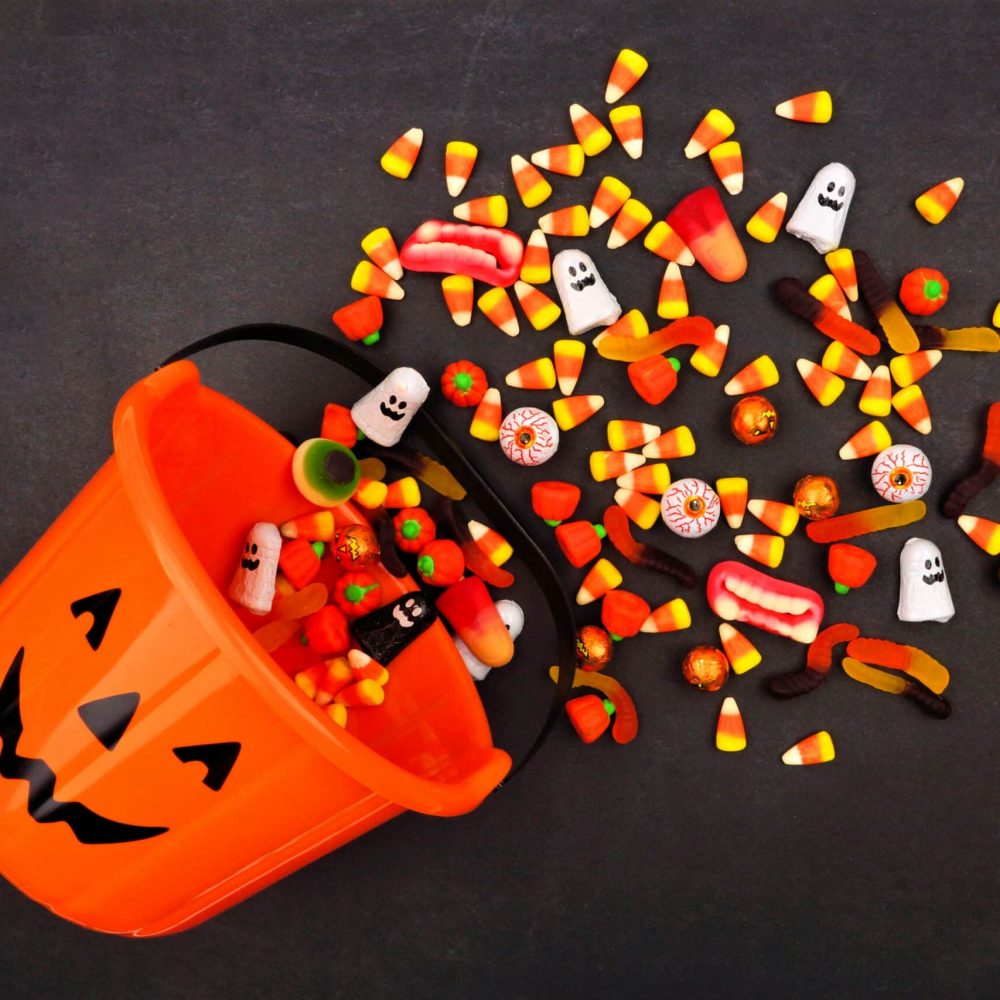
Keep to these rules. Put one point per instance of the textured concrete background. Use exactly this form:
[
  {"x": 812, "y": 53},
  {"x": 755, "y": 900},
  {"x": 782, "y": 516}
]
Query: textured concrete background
[{"x": 168, "y": 171}]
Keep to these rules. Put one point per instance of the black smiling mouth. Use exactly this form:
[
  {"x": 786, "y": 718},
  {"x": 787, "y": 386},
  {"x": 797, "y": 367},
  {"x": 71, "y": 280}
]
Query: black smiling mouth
[
  {"x": 829, "y": 202},
  {"x": 249, "y": 563},
  {"x": 579, "y": 286},
  {"x": 391, "y": 414},
  {"x": 88, "y": 826},
  {"x": 934, "y": 578}
]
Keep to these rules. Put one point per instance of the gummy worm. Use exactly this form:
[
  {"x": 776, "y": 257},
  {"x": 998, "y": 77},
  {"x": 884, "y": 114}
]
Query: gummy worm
[
  {"x": 626, "y": 724},
  {"x": 616, "y": 524},
  {"x": 819, "y": 659}
]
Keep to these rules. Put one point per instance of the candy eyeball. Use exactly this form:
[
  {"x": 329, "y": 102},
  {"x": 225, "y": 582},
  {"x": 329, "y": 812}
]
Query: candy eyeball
[
  {"x": 529, "y": 436},
  {"x": 690, "y": 508},
  {"x": 901, "y": 472}
]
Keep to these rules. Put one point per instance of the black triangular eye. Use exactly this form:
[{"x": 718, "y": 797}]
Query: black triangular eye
[
  {"x": 102, "y": 607},
  {"x": 108, "y": 718},
  {"x": 218, "y": 758}
]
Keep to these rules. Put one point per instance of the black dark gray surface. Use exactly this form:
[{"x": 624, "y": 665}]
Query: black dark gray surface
[{"x": 169, "y": 171}]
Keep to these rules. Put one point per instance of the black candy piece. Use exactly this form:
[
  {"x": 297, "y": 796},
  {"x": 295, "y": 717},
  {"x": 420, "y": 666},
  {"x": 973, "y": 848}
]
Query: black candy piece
[{"x": 385, "y": 633}]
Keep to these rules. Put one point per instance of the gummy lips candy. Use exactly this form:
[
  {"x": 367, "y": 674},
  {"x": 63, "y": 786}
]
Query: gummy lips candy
[{"x": 490, "y": 255}]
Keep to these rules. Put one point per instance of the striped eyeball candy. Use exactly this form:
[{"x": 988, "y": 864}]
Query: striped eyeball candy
[
  {"x": 690, "y": 508},
  {"x": 529, "y": 436},
  {"x": 901, "y": 472}
]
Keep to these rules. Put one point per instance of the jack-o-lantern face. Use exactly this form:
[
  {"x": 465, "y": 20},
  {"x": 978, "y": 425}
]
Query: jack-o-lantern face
[{"x": 108, "y": 720}]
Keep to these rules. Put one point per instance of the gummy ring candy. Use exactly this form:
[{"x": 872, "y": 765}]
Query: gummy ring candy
[
  {"x": 529, "y": 436},
  {"x": 901, "y": 472},
  {"x": 690, "y": 508}
]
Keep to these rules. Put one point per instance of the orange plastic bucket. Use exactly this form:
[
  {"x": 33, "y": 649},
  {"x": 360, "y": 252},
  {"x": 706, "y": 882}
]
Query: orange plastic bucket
[{"x": 156, "y": 765}]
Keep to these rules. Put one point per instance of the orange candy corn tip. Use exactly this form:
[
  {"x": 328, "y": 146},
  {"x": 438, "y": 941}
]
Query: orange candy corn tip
[
  {"x": 653, "y": 479},
  {"x": 627, "y": 71},
  {"x": 531, "y": 186},
  {"x": 727, "y": 159},
  {"x": 910, "y": 404},
  {"x": 935, "y": 204},
  {"x": 626, "y": 434},
  {"x": 457, "y": 289},
  {"x": 574, "y": 220},
  {"x": 841, "y": 265},
  {"x": 841, "y": 360},
  {"x": 381, "y": 247},
  {"x": 742, "y": 654},
  {"x": 606, "y": 465},
  {"x": 488, "y": 416},
  {"x": 575, "y": 410},
  {"x": 674, "y": 616},
  {"x": 732, "y": 491},
  {"x": 537, "y": 374},
  {"x": 673, "y": 300},
  {"x": 567, "y": 160},
  {"x": 780, "y": 517},
  {"x": 730, "y": 734},
  {"x": 815, "y": 749},
  {"x": 631, "y": 324},
  {"x": 626, "y": 120},
  {"x": 870, "y": 440},
  {"x": 368, "y": 279},
  {"x": 611, "y": 194},
  {"x": 536, "y": 265},
  {"x": 630, "y": 221},
  {"x": 498, "y": 309},
  {"x": 496, "y": 547},
  {"x": 711, "y": 130},
  {"x": 708, "y": 359},
  {"x": 816, "y": 107},
  {"x": 589, "y": 132},
  {"x": 825, "y": 386},
  {"x": 828, "y": 291},
  {"x": 601, "y": 577},
  {"x": 643, "y": 510},
  {"x": 909, "y": 368},
  {"x": 568, "y": 358},
  {"x": 876, "y": 399},
  {"x": 399, "y": 158},
  {"x": 678, "y": 442},
  {"x": 985, "y": 533},
  {"x": 490, "y": 210},
  {"x": 768, "y": 550},
  {"x": 665, "y": 243},
  {"x": 459, "y": 159},
  {"x": 761, "y": 373},
  {"x": 541, "y": 311},
  {"x": 765, "y": 224}
]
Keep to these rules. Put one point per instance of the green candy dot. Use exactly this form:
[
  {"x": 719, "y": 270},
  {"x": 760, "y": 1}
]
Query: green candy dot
[
  {"x": 372, "y": 338},
  {"x": 609, "y": 706},
  {"x": 601, "y": 533},
  {"x": 615, "y": 638},
  {"x": 425, "y": 565},
  {"x": 354, "y": 593},
  {"x": 675, "y": 364},
  {"x": 841, "y": 588},
  {"x": 551, "y": 523},
  {"x": 319, "y": 548},
  {"x": 410, "y": 528},
  {"x": 463, "y": 381},
  {"x": 932, "y": 289}
]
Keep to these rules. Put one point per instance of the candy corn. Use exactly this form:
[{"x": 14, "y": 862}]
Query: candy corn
[
  {"x": 732, "y": 491},
  {"x": 631, "y": 324},
  {"x": 768, "y": 550},
  {"x": 826, "y": 289},
  {"x": 761, "y": 373},
  {"x": 665, "y": 243},
  {"x": 909, "y": 368},
  {"x": 841, "y": 360},
  {"x": 403, "y": 492},
  {"x": 490, "y": 210},
  {"x": 742, "y": 654},
  {"x": 765, "y": 224},
  {"x": 626, "y": 434},
  {"x": 709, "y": 358},
  {"x": 568, "y": 358},
  {"x": 727, "y": 159},
  {"x": 589, "y": 132},
  {"x": 610, "y": 196},
  {"x": 364, "y": 692},
  {"x": 626, "y": 120},
  {"x": 399, "y": 158},
  {"x": 459, "y": 159},
  {"x": 935, "y": 204},
  {"x": 870, "y": 440},
  {"x": 531, "y": 186},
  {"x": 573, "y": 220},
  {"x": 370, "y": 493},
  {"x": 630, "y": 221},
  {"x": 601, "y": 577},
  {"x": 316, "y": 527},
  {"x": 567, "y": 160},
  {"x": 730, "y": 735},
  {"x": 574, "y": 410},
  {"x": 910, "y": 404},
  {"x": 605, "y": 465},
  {"x": 824, "y": 385},
  {"x": 653, "y": 479},
  {"x": 672, "y": 302},
  {"x": 674, "y": 616},
  {"x": 363, "y": 667},
  {"x": 643, "y": 510},
  {"x": 675, "y": 443},
  {"x": 488, "y": 416},
  {"x": 537, "y": 374},
  {"x": 536, "y": 265},
  {"x": 653, "y": 378},
  {"x": 986, "y": 534},
  {"x": 779, "y": 517},
  {"x": 876, "y": 398},
  {"x": 711, "y": 130},
  {"x": 625, "y": 74},
  {"x": 541, "y": 311},
  {"x": 498, "y": 550},
  {"x": 815, "y": 749},
  {"x": 380, "y": 246},
  {"x": 816, "y": 107},
  {"x": 499, "y": 310},
  {"x": 457, "y": 289},
  {"x": 841, "y": 265},
  {"x": 368, "y": 279}
]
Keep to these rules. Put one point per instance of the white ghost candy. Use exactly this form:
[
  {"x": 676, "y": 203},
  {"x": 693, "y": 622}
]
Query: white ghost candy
[
  {"x": 902, "y": 472},
  {"x": 923, "y": 587},
  {"x": 585, "y": 298},
  {"x": 513, "y": 617},
  {"x": 820, "y": 216},
  {"x": 253, "y": 583},
  {"x": 385, "y": 412},
  {"x": 529, "y": 436}
]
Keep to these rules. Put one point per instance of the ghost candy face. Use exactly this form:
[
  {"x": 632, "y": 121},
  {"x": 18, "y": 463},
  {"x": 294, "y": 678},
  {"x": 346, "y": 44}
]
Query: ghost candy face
[
  {"x": 923, "y": 587},
  {"x": 253, "y": 584},
  {"x": 385, "y": 412},
  {"x": 585, "y": 298},
  {"x": 820, "y": 216}
]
